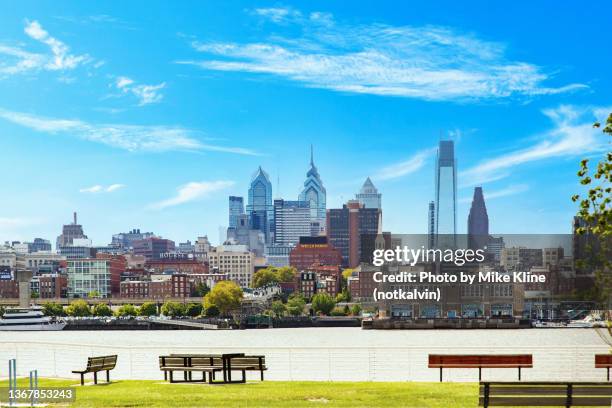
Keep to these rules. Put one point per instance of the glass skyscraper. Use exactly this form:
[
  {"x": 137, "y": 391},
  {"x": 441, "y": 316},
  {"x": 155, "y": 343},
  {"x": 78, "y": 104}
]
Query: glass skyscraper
[
  {"x": 478, "y": 221},
  {"x": 236, "y": 208},
  {"x": 314, "y": 193},
  {"x": 369, "y": 195},
  {"x": 446, "y": 195},
  {"x": 259, "y": 208}
]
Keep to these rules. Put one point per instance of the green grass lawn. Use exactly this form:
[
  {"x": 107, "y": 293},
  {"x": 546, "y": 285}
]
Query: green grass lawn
[{"x": 269, "y": 394}]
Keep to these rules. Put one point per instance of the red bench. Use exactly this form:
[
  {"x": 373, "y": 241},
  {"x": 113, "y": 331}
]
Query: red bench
[
  {"x": 604, "y": 361},
  {"x": 480, "y": 361}
]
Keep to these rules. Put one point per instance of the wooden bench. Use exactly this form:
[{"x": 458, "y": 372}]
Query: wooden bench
[
  {"x": 604, "y": 361},
  {"x": 545, "y": 394},
  {"x": 248, "y": 363},
  {"x": 189, "y": 363},
  {"x": 480, "y": 361},
  {"x": 96, "y": 364}
]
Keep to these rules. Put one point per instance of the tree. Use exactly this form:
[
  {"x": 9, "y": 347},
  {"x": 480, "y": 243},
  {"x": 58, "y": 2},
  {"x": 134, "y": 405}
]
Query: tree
[
  {"x": 265, "y": 277},
  {"x": 225, "y": 295},
  {"x": 193, "y": 309},
  {"x": 148, "y": 309},
  {"x": 278, "y": 308},
  {"x": 173, "y": 309},
  {"x": 78, "y": 308},
  {"x": 356, "y": 310},
  {"x": 322, "y": 302},
  {"x": 595, "y": 213},
  {"x": 127, "y": 310},
  {"x": 295, "y": 305},
  {"x": 102, "y": 310},
  {"x": 347, "y": 273},
  {"x": 343, "y": 296},
  {"x": 93, "y": 294},
  {"x": 53, "y": 309},
  {"x": 212, "y": 311},
  {"x": 200, "y": 290},
  {"x": 286, "y": 274}
]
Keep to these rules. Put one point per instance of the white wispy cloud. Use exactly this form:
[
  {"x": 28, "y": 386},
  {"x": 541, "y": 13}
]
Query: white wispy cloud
[
  {"x": 193, "y": 191},
  {"x": 102, "y": 189},
  {"x": 146, "y": 94},
  {"x": 59, "y": 57},
  {"x": 128, "y": 137},
  {"x": 504, "y": 192},
  {"x": 14, "y": 222},
  {"x": 409, "y": 166},
  {"x": 573, "y": 135},
  {"x": 424, "y": 62}
]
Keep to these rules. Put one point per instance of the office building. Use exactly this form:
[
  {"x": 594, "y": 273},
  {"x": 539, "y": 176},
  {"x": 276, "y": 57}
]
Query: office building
[
  {"x": 125, "y": 240},
  {"x": 245, "y": 234},
  {"x": 153, "y": 247},
  {"x": 478, "y": 222},
  {"x": 88, "y": 275},
  {"x": 315, "y": 195},
  {"x": 352, "y": 230},
  {"x": 260, "y": 210},
  {"x": 70, "y": 232},
  {"x": 446, "y": 195},
  {"x": 277, "y": 255},
  {"x": 234, "y": 260},
  {"x": 292, "y": 220},
  {"x": 236, "y": 208},
  {"x": 369, "y": 196},
  {"x": 314, "y": 251},
  {"x": 431, "y": 225}
]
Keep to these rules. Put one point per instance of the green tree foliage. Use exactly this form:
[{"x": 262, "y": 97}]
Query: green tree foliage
[
  {"x": 225, "y": 296},
  {"x": 347, "y": 273},
  {"x": 127, "y": 310},
  {"x": 102, "y": 310},
  {"x": 53, "y": 309},
  {"x": 338, "y": 311},
  {"x": 200, "y": 290},
  {"x": 148, "y": 309},
  {"x": 78, "y": 308},
  {"x": 173, "y": 309},
  {"x": 271, "y": 275},
  {"x": 278, "y": 308},
  {"x": 356, "y": 310},
  {"x": 2, "y": 310},
  {"x": 323, "y": 303},
  {"x": 295, "y": 305},
  {"x": 343, "y": 296},
  {"x": 595, "y": 210},
  {"x": 212, "y": 311},
  {"x": 193, "y": 309},
  {"x": 93, "y": 294}
]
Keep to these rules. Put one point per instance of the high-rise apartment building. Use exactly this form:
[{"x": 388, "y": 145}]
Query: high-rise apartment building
[
  {"x": 236, "y": 208},
  {"x": 70, "y": 232},
  {"x": 89, "y": 275},
  {"x": 478, "y": 222},
  {"x": 315, "y": 195},
  {"x": 292, "y": 220},
  {"x": 446, "y": 195},
  {"x": 259, "y": 208},
  {"x": 369, "y": 196},
  {"x": 353, "y": 229}
]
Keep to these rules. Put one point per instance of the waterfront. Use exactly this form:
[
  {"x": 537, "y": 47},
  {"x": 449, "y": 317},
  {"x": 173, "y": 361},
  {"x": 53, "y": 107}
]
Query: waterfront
[{"x": 319, "y": 354}]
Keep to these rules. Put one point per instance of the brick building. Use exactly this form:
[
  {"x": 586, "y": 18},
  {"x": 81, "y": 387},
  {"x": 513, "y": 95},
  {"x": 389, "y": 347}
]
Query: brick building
[{"x": 314, "y": 251}]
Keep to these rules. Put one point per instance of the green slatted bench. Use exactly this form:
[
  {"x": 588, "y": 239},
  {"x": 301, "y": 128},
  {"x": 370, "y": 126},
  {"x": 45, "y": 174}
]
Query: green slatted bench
[{"x": 97, "y": 364}]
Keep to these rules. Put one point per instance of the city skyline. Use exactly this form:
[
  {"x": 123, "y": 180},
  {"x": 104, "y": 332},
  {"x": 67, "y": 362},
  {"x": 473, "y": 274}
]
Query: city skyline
[{"x": 154, "y": 130}]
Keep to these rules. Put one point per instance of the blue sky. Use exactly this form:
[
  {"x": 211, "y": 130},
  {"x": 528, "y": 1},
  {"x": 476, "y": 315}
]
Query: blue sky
[{"x": 149, "y": 114}]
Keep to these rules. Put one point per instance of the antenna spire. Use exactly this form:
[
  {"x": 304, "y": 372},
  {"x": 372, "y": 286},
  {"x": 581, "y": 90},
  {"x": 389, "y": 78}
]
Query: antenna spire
[{"x": 311, "y": 156}]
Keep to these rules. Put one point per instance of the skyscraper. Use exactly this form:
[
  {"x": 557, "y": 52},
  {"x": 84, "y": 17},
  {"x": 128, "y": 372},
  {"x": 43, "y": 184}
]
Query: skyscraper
[
  {"x": 478, "y": 221},
  {"x": 369, "y": 195},
  {"x": 236, "y": 208},
  {"x": 70, "y": 232},
  {"x": 314, "y": 193},
  {"x": 446, "y": 195},
  {"x": 352, "y": 230},
  {"x": 291, "y": 221},
  {"x": 431, "y": 225},
  {"x": 259, "y": 208}
]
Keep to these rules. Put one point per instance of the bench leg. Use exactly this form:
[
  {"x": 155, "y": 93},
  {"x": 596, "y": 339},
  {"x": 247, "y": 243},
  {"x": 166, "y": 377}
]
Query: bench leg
[
  {"x": 608, "y": 374},
  {"x": 95, "y": 377},
  {"x": 440, "y": 374},
  {"x": 519, "y": 373},
  {"x": 107, "y": 376},
  {"x": 165, "y": 375},
  {"x": 82, "y": 379},
  {"x": 261, "y": 371},
  {"x": 171, "y": 378},
  {"x": 479, "y": 374},
  {"x": 243, "y": 376}
]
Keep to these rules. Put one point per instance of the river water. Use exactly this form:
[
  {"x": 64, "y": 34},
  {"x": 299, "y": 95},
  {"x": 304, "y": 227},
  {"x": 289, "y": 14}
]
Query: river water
[{"x": 326, "y": 354}]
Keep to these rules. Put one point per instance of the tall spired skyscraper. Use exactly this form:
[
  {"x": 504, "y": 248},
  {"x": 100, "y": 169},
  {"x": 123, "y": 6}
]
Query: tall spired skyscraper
[
  {"x": 446, "y": 195},
  {"x": 260, "y": 210},
  {"x": 314, "y": 193},
  {"x": 369, "y": 196},
  {"x": 478, "y": 221}
]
